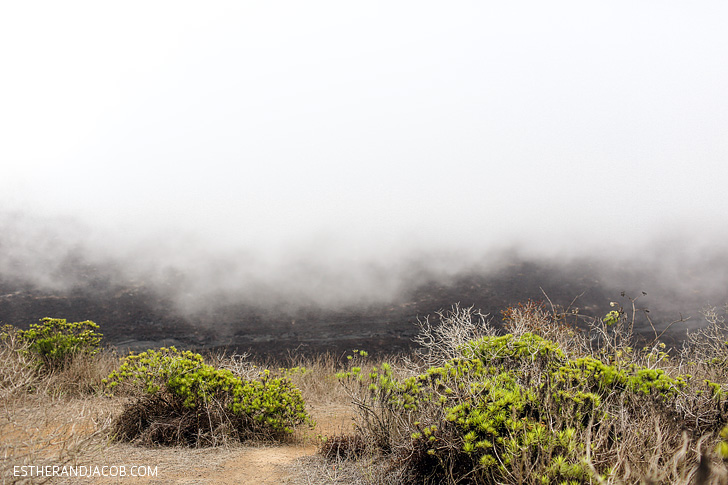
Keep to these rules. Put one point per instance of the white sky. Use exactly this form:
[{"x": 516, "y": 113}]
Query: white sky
[{"x": 354, "y": 126}]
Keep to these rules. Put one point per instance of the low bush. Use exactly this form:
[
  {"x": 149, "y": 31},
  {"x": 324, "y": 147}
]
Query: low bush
[
  {"x": 54, "y": 357},
  {"x": 182, "y": 400},
  {"x": 55, "y": 342},
  {"x": 519, "y": 408}
]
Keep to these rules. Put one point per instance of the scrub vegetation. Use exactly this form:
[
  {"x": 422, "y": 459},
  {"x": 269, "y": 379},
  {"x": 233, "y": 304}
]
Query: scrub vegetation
[
  {"x": 542, "y": 397},
  {"x": 545, "y": 402},
  {"x": 183, "y": 400}
]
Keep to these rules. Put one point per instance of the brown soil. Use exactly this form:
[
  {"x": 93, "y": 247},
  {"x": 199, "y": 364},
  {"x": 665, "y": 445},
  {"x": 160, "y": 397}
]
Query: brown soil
[
  {"x": 272, "y": 464},
  {"x": 237, "y": 464}
]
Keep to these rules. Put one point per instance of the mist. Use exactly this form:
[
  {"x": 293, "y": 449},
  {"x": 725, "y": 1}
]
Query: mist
[{"x": 341, "y": 155}]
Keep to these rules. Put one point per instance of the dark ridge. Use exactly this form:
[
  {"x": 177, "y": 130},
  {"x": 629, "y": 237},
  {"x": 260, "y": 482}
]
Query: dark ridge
[{"x": 137, "y": 315}]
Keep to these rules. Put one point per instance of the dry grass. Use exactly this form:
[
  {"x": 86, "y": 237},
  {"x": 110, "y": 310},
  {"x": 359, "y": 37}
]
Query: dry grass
[
  {"x": 63, "y": 417},
  {"x": 51, "y": 418},
  {"x": 40, "y": 431},
  {"x": 646, "y": 439},
  {"x": 316, "y": 378},
  {"x": 370, "y": 470}
]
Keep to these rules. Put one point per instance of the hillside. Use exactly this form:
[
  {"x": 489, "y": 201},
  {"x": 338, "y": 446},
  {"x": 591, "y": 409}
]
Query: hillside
[{"x": 136, "y": 315}]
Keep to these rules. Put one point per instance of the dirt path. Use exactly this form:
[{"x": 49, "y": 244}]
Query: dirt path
[
  {"x": 265, "y": 464},
  {"x": 271, "y": 464},
  {"x": 62, "y": 434}
]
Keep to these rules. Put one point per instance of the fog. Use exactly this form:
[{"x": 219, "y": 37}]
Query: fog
[{"x": 335, "y": 152}]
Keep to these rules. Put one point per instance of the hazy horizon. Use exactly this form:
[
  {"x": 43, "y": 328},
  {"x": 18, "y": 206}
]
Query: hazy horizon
[{"x": 326, "y": 149}]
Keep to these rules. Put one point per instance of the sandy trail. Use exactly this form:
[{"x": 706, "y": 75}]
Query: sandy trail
[
  {"x": 257, "y": 465},
  {"x": 265, "y": 464},
  {"x": 271, "y": 464}
]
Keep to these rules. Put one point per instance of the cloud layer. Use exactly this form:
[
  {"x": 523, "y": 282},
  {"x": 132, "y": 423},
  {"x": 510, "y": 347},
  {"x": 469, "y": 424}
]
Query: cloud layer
[{"x": 322, "y": 150}]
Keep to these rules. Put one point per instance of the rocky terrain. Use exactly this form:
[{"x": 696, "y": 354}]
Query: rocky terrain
[{"x": 134, "y": 315}]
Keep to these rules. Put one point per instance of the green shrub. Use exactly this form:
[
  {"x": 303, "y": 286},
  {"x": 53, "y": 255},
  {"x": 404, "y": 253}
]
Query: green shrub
[
  {"x": 185, "y": 401},
  {"x": 55, "y": 342},
  {"x": 465, "y": 419},
  {"x": 517, "y": 409},
  {"x": 510, "y": 350}
]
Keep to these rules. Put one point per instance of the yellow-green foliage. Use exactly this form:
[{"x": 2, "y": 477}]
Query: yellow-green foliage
[
  {"x": 509, "y": 351},
  {"x": 611, "y": 318},
  {"x": 511, "y": 403},
  {"x": 271, "y": 403},
  {"x": 723, "y": 445},
  {"x": 603, "y": 378},
  {"x": 54, "y": 341}
]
